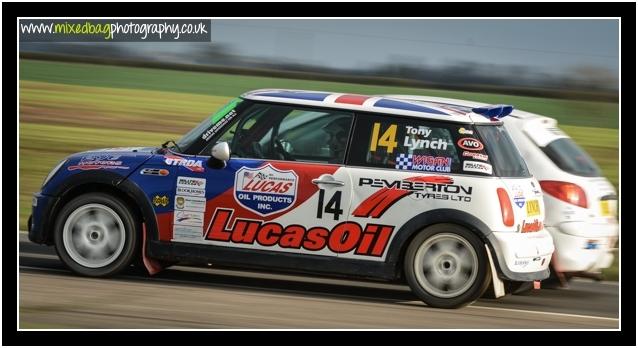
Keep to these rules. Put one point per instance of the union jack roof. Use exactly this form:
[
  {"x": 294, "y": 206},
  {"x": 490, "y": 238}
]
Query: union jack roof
[{"x": 357, "y": 102}]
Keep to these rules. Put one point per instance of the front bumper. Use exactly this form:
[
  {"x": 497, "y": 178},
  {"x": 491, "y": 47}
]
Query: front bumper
[
  {"x": 41, "y": 221},
  {"x": 523, "y": 256},
  {"x": 583, "y": 247}
]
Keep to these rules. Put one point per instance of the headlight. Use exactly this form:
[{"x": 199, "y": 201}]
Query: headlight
[{"x": 53, "y": 171}]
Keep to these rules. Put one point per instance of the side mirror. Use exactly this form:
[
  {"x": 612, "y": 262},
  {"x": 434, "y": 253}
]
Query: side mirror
[{"x": 221, "y": 151}]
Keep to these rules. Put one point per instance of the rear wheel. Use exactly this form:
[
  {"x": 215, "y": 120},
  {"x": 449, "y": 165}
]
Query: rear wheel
[
  {"x": 97, "y": 235},
  {"x": 446, "y": 266}
]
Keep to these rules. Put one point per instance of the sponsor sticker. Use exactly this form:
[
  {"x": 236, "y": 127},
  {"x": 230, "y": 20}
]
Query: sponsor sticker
[
  {"x": 475, "y": 155},
  {"x": 219, "y": 125},
  {"x": 465, "y": 131},
  {"x": 479, "y": 167},
  {"x": 100, "y": 157},
  {"x": 188, "y": 218},
  {"x": 470, "y": 144},
  {"x": 536, "y": 191},
  {"x": 533, "y": 226},
  {"x": 189, "y": 191},
  {"x": 187, "y": 232},
  {"x": 98, "y": 161},
  {"x": 533, "y": 208},
  {"x": 592, "y": 245},
  {"x": 190, "y": 203},
  {"x": 519, "y": 196},
  {"x": 265, "y": 190},
  {"x": 160, "y": 200},
  {"x": 423, "y": 163},
  {"x": 193, "y": 165},
  {"x": 604, "y": 208},
  {"x": 186, "y": 181},
  {"x": 154, "y": 172},
  {"x": 417, "y": 188}
]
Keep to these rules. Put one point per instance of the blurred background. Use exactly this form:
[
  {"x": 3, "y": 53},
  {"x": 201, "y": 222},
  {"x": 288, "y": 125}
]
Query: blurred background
[{"x": 79, "y": 96}]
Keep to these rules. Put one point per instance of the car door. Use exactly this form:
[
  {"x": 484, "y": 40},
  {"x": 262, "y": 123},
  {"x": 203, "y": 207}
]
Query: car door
[
  {"x": 284, "y": 188},
  {"x": 400, "y": 168}
]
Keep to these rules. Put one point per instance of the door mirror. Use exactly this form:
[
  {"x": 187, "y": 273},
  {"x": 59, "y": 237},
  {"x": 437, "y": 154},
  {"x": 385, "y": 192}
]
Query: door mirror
[{"x": 221, "y": 151}]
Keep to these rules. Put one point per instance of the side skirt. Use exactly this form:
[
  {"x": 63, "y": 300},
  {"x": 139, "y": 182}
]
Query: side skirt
[{"x": 268, "y": 260}]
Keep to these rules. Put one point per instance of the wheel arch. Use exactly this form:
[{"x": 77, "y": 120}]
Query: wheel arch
[
  {"x": 410, "y": 229},
  {"x": 105, "y": 182}
]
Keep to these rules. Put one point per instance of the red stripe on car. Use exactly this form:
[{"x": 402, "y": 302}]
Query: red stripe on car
[{"x": 352, "y": 99}]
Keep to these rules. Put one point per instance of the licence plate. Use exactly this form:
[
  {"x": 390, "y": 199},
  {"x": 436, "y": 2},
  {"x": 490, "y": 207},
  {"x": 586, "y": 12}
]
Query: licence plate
[
  {"x": 604, "y": 208},
  {"x": 533, "y": 208}
]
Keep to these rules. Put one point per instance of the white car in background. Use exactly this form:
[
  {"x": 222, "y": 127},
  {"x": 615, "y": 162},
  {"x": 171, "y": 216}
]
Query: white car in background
[{"x": 580, "y": 203}]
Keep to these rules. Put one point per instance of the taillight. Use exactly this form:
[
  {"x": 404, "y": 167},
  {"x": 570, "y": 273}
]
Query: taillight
[
  {"x": 506, "y": 207},
  {"x": 566, "y": 192}
]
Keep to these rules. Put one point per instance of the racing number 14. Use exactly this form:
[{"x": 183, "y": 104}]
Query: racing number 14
[
  {"x": 332, "y": 207},
  {"x": 388, "y": 139}
]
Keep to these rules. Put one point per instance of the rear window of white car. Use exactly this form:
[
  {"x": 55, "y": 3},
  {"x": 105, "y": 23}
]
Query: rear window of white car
[{"x": 571, "y": 158}]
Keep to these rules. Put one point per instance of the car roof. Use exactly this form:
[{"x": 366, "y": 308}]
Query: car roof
[
  {"x": 375, "y": 103},
  {"x": 540, "y": 129},
  {"x": 466, "y": 104}
]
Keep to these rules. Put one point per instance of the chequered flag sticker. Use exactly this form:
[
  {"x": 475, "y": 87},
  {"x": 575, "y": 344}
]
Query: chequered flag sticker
[{"x": 404, "y": 161}]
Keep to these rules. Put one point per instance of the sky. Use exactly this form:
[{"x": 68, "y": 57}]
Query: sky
[{"x": 551, "y": 45}]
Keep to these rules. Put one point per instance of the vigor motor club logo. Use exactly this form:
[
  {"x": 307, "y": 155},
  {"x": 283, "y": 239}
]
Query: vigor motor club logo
[{"x": 265, "y": 190}]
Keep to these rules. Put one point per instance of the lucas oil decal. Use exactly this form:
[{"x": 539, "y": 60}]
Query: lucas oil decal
[
  {"x": 533, "y": 226},
  {"x": 265, "y": 190},
  {"x": 368, "y": 240},
  {"x": 190, "y": 164}
]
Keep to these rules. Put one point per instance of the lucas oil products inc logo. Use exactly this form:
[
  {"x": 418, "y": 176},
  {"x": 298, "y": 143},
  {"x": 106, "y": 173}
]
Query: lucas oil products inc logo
[{"x": 265, "y": 190}]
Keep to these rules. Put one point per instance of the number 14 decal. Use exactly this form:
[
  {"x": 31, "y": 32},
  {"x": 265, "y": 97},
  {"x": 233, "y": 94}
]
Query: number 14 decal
[
  {"x": 332, "y": 207},
  {"x": 387, "y": 140}
]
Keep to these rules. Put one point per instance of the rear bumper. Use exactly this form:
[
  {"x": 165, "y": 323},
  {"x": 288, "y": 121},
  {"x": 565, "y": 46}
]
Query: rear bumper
[
  {"x": 583, "y": 247},
  {"x": 40, "y": 225},
  {"x": 523, "y": 256}
]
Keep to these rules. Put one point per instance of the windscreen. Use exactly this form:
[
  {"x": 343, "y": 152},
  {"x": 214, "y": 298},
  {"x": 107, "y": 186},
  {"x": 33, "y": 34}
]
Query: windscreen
[
  {"x": 571, "y": 158},
  {"x": 504, "y": 156}
]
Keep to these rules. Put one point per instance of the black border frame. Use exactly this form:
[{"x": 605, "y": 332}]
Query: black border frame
[{"x": 627, "y": 336}]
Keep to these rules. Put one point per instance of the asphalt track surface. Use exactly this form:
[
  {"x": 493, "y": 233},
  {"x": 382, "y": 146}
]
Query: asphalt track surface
[{"x": 183, "y": 297}]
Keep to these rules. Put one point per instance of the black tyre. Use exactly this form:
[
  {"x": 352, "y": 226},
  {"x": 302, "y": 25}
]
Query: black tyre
[
  {"x": 446, "y": 266},
  {"x": 97, "y": 235}
]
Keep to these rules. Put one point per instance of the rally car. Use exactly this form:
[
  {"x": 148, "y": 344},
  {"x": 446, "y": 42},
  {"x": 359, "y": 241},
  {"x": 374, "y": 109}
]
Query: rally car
[
  {"x": 318, "y": 182},
  {"x": 581, "y": 203}
]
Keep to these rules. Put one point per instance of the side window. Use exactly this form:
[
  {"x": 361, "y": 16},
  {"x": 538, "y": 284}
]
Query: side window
[
  {"x": 290, "y": 133},
  {"x": 408, "y": 144}
]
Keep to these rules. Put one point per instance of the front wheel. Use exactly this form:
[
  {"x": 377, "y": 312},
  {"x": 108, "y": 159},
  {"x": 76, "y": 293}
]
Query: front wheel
[
  {"x": 446, "y": 266},
  {"x": 96, "y": 235}
]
